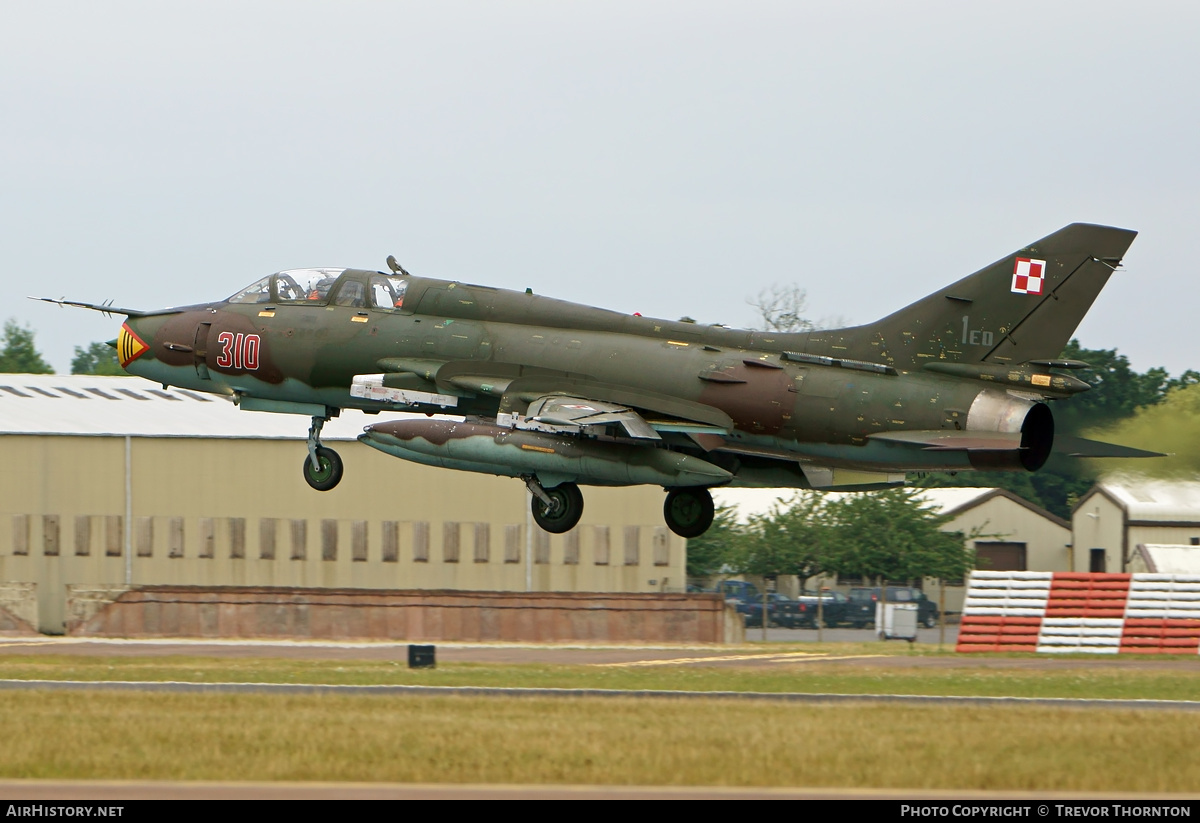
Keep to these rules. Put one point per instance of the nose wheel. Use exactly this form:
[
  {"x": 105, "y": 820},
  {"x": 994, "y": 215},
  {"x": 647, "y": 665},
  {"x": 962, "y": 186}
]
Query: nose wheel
[
  {"x": 555, "y": 510},
  {"x": 322, "y": 466},
  {"x": 328, "y": 471},
  {"x": 689, "y": 511}
]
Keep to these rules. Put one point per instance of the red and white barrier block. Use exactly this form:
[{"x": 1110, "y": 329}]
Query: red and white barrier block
[{"x": 1081, "y": 612}]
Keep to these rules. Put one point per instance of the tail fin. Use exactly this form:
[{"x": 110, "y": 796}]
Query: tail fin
[{"x": 1023, "y": 307}]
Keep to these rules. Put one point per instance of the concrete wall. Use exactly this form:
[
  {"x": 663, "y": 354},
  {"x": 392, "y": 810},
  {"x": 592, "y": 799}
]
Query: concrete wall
[
  {"x": 186, "y": 611},
  {"x": 18, "y": 609},
  {"x": 230, "y": 512}
]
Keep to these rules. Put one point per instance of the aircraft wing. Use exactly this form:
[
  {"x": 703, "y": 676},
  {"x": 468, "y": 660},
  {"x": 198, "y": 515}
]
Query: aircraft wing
[
  {"x": 1081, "y": 447},
  {"x": 953, "y": 440}
]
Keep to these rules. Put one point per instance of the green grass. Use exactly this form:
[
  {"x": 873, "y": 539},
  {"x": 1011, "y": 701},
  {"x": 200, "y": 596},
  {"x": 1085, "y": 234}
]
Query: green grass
[
  {"x": 150, "y": 736},
  {"x": 1124, "y": 679},
  {"x": 79, "y": 735}
]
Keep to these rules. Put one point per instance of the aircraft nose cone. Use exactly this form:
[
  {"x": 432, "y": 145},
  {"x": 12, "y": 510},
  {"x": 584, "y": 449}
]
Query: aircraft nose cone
[{"x": 129, "y": 344}]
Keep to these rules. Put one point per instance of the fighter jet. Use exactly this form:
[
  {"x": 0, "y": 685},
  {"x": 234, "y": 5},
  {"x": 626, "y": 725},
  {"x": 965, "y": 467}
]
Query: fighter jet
[{"x": 561, "y": 395}]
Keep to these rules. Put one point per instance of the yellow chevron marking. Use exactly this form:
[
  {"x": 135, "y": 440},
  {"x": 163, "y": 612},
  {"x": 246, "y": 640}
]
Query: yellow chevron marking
[{"x": 129, "y": 346}]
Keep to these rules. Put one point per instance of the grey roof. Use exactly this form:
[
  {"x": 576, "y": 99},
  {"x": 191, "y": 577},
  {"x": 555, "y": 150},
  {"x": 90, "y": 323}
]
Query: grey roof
[
  {"x": 84, "y": 405},
  {"x": 1165, "y": 558},
  {"x": 1152, "y": 499}
]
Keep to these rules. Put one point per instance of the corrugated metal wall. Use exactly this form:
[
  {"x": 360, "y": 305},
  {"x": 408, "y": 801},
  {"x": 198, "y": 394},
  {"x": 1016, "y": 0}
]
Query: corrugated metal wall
[{"x": 226, "y": 512}]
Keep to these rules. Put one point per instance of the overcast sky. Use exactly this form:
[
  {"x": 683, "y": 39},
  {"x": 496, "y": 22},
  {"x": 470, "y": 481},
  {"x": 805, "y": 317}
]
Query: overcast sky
[{"x": 670, "y": 158}]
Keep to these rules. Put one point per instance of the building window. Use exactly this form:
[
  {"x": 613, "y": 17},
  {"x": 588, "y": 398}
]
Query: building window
[
  {"x": 450, "y": 534},
  {"x": 420, "y": 532},
  {"x": 571, "y": 548},
  {"x": 20, "y": 534},
  {"x": 114, "y": 535},
  {"x": 299, "y": 539},
  {"x": 390, "y": 546},
  {"x": 237, "y": 538},
  {"x": 1098, "y": 561},
  {"x": 208, "y": 538},
  {"x": 483, "y": 542},
  {"x": 83, "y": 535},
  {"x": 541, "y": 547},
  {"x": 50, "y": 535},
  {"x": 512, "y": 544},
  {"x": 358, "y": 541},
  {"x": 145, "y": 537},
  {"x": 266, "y": 538},
  {"x": 600, "y": 544},
  {"x": 329, "y": 540},
  {"x": 175, "y": 537},
  {"x": 633, "y": 536},
  {"x": 662, "y": 547}
]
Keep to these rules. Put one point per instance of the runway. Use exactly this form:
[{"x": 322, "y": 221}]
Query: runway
[
  {"x": 645, "y": 694},
  {"x": 878, "y": 654}
]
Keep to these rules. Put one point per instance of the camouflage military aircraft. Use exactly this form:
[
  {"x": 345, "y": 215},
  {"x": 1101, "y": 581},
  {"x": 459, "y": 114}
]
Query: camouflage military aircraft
[{"x": 563, "y": 395}]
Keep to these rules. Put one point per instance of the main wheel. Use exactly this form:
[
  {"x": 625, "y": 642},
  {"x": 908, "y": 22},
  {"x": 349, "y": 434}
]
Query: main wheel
[
  {"x": 688, "y": 512},
  {"x": 564, "y": 514},
  {"x": 330, "y": 472}
]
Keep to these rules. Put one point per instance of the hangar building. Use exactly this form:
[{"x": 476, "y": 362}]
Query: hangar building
[
  {"x": 1010, "y": 533},
  {"x": 114, "y": 481},
  {"x": 1119, "y": 513}
]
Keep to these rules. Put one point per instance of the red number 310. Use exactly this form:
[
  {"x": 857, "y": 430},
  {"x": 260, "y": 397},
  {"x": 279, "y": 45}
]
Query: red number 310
[{"x": 238, "y": 351}]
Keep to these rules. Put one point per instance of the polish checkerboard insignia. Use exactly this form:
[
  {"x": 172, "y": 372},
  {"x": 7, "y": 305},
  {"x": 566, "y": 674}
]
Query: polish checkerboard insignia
[{"x": 1028, "y": 276}]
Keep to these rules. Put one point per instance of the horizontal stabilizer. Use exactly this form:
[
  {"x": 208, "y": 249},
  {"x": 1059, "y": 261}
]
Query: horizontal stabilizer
[
  {"x": 952, "y": 440},
  {"x": 1080, "y": 447}
]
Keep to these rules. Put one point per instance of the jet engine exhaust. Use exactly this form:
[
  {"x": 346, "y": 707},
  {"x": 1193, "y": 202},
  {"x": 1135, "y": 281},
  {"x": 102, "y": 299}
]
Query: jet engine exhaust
[{"x": 998, "y": 411}]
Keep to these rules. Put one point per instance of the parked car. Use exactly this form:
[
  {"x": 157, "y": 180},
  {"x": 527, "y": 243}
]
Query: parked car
[
  {"x": 864, "y": 599},
  {"x": 739, "y": 589},
  {"x": 782, "y": 611},
  {"x": 833, "y": 607}
]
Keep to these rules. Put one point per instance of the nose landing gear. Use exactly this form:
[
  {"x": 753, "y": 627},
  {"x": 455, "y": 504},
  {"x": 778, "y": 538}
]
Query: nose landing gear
[{"x": 322, "y": 466}]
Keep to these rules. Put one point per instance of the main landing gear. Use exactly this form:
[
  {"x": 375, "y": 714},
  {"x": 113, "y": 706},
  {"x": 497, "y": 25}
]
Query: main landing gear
[
  {"x": 322, "y": 466},
  {"x": 688, "y": 511},
  {"x": 555, "y": 510}
]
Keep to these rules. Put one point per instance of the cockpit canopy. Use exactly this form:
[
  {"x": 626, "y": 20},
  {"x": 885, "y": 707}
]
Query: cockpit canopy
[{"x": 328, "y": 287}]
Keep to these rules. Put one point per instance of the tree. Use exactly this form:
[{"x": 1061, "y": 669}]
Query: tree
[
  {"x": 1117, "y": 390},
  {"x": 97, "y": 358},
  {"x": 893, "y": 535},
  {"x": 19, "y": 355},
  {"x": 710, "y": 553},
  {"x": 789, "y": 540},
  {"x": 782, "y": 308}
]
